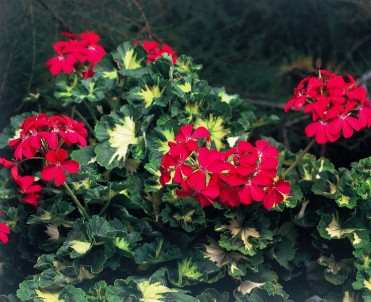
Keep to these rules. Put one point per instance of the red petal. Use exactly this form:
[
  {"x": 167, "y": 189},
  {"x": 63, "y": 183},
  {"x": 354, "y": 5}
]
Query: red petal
[
  {"x": 51, "y": 156},
  {"x": 71, "y": 166},
  {"x": 61, "y": 155},
  {"x": 200, "y": 132},
  {"x": 312, "y": 129},
  {"x": 48, "y": 172},
  {"x": 257, "y": 193},
  {"x": 31, "y": 199},
  {"x": 60, "y": 177},
  {"x": 4, "y": 228}
]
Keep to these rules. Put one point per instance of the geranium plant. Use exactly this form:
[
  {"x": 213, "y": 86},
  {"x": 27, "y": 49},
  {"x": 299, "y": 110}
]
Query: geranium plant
[{"x": 144, "y": 183}]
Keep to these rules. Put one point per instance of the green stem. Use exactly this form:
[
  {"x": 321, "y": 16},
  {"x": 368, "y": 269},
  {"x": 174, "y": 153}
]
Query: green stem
[
  {"x": 85, "y": 121},
  {"x": 298, "y": 159},
  {"x": 107, "y": 203},
  {"x": 91, "y": 111},
  {"x": 156, "y": 201},
  {"x": 77, "y": 202}
]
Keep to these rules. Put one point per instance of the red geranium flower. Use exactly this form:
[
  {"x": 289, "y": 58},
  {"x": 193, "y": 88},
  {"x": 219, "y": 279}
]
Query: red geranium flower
[
  {"x": 154, "y": 51},
  {"x": 337, "y": 106},
  {"x": 61, "y": 62},
  {"x": 276, "y": 192},
  {"x": 4, "y": 232},
  {"x": 57, "y": 165}
]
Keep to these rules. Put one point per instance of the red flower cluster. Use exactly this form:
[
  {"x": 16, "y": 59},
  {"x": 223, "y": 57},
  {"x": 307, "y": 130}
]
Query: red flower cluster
[
  {"x": 80, "y": 52},
  {"x": 154, "y": 51},
  {"x": 337, "y": 106},
  {"x": 43, "y": 136},
  {"x": 238, "y": 176},
  {"x": 4, "y": 232}
]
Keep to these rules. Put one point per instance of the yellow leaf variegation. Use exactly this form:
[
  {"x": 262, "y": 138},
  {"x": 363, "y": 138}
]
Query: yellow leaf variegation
[
  {"x": 121, "y": 137},
  {"x": 81, "y": 247},
  {"x": 153, "y": 292},
  {"x": 247, "y": 286},
  {"x": 220, "y": 256},
  {"x": 169, "y": 137},
  {"x": 216, "y": 129},
  {"x": 186, "y": 87},
  {"x": 335, "y": 230},
  {"x": 188, "y": 269},
  {"x": 46, "y": 296},
  {"x": 149, "y": 93},
  {"x": 130, "y": 60},
  {"x": 244, "y": 233},
  {"x": 367, "y": 284}
]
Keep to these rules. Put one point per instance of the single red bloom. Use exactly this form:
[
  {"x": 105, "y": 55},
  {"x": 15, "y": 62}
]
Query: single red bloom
[
  {"x": 57, "y": 165},
  {"x": 61, "y": 62},
  {"x": 276, "y": 193},
  {"x": 4, "y": 232},
  {"x": 186, "y": 139},
  {"x": 94, "y": 51},
  {"x": 73, "y": 132},
  {"x": 154, "y": 52}
]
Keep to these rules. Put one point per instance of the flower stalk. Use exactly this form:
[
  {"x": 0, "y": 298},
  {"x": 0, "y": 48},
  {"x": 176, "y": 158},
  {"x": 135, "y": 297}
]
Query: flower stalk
[
  {"x": 77, "y": 202},
  {"x": 298, "y": 159}
]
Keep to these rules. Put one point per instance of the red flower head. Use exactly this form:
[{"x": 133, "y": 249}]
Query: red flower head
[
  {"x": 63, "y": 62},
  {"x": 154, "y": 51},
  {"x": 4, "y": 232},
  {"x": 337, "y": 106},
  {"x": 94, "y": 51},
  {"x": 57, "y": 165},
  {"x": 80, "y": 52}
]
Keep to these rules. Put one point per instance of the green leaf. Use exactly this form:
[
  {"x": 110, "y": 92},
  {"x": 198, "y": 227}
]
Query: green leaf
[
  {"x": 336, "y": 272},
  {"x": 186, "y": 214},
  {"x": 131, "y": 59},
  {"x": 83, "y": 156},
  {"x": 153, "y": 292},
  {"x": 97, "y": 291},
  {"x": 116, "y": 133},
  {"x": 150, "y": 92},
  {"x": 215, "y": 126},
  {"x": 80, "y": 247},
  {"x": 106, "y": 70},
  {"x": 326, "y": 184},
  {"x": 159, "y": 251},
  {"x": 90, "y": 89},
  {"x": 212, "y": 295},
  {"x": 245, "y": 235},
  {"x": 72, "y": 294},
  {"x": 123, "y": 291},
  {"x": 27, "y": 289}
]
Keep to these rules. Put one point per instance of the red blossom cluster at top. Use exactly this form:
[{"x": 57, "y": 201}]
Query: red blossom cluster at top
[
  {"x": 41, "y": 137},
  {"x": 338, "y": 106},
  {"x": 80, "y": 52},
  {"x": 237, "y": 176},
  {"x": 154, "y": 51}
]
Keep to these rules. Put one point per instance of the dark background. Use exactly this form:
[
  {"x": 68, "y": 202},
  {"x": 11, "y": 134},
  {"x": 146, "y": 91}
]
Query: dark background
[{"x": 258, "y": 49}]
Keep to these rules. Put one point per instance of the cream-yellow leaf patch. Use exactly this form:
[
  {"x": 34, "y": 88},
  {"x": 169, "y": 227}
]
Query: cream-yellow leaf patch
[
  {"x": 121, "y": 137},
  {"x": 130, "y": 60},
  {"x": 82, "y": 247},
  {"x": 186, "y": 87},
  {"x": 149, "y": 93},
  {"x": 335, "y": 230},
  {"x": 153, "y": 292},
  {"x": 216, "y": 129},
  {"x": 46, "y": 296}
]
